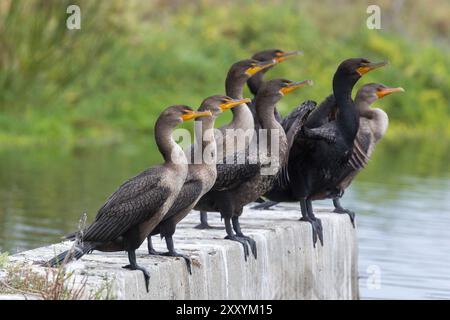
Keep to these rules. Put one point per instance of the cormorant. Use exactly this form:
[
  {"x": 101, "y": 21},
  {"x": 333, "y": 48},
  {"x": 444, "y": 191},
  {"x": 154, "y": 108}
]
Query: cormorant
[
  {"x": 373, "y": 124},
  {"x": 235, "y": 86},
  {"x": 255, "y": 82},
  {"x": 201, "y": 176},
  {"x": 132, "y": 211},
  {"x": 238, "y": 183},
  {"x": 321, "y": 148},
  {"x": 235, "y": 81}
]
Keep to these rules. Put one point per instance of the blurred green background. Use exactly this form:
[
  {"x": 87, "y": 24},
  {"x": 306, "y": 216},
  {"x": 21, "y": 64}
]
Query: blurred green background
[
  {"x": 131, "y": 59},
  {"x": 77, "y": 110}
]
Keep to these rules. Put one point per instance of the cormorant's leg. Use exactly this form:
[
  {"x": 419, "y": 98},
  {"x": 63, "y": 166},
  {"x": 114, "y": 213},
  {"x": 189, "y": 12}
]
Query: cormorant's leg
[
  {"x": 314, "y": 222},
  {"x": 237, "y": 229},
  {"x": 134, "y": 266},
  {"x": 317, "y": 221},
  {"x": 339, "y": 209},
  {"x": 233, "y": 237},
  {"x": 265, "y": 205},
  {"x": 151, "y": 250},
  {"x": 204, "y": 222},
  {"x": 173, "y": 253}
]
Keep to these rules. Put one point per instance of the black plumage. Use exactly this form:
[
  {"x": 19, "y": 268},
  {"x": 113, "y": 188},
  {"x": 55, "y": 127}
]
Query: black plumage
[{"x": 320, "y": 151}]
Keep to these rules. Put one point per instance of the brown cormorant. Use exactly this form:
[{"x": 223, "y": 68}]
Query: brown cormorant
[
  {"x": 255, "y": 82},
  {"x": 132, "y": 211},
  {"x": 235, "y": 87},
  {"x": 239, "y": 183},
  {"x": 321, "y": 149},
  {"x": 201, "y": 176},
  {"x": 235, "y": 81}
]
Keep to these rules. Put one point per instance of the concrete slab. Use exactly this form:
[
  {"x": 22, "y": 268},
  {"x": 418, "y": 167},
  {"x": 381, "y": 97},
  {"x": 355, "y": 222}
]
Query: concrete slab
[{"x": 288, "y": 266}]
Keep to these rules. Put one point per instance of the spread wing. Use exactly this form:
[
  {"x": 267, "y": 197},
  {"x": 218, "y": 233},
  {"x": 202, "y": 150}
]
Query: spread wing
[
  {"x": 324, "y": 113},
  {"x": 292, "y": 125},
  {"x": 134, "y": 202}
]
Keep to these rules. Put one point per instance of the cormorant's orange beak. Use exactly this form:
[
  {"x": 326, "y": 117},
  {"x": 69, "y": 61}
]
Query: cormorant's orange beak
[
  {"x": 190, "y": 115},
  {"x": 386, "y": 91},
  {"x": 370, "y": 66},
  {"x": 283, "y": 56},
  {"x": 259, "y": 66},
  {"x": 233, "y": 103},
  {"x": 294, "y": 86}
]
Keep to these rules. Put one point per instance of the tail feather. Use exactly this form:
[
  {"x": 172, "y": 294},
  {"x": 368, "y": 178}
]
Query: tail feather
[{"x": 74, "y": 253}]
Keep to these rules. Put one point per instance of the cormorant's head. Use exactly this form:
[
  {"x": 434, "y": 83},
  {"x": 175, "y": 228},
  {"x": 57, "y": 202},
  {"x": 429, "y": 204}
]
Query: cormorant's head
[
  {"x": 178, "y": 113},
  {"x": 355, "y": 68},
  {"x": 219, "y": 103},
  {"x": 275, "y": 54},
  {"x": 373, "y": 91},
  {"x": 244, "y": 69},
  {"x": 277, "y": 88}
]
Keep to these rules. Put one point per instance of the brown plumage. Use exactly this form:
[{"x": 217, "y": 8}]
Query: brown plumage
[{"x": 133, "y": 210}]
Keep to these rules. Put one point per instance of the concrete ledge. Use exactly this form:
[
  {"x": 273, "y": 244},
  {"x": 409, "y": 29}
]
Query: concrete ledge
[{"x": 288, "y": 267}]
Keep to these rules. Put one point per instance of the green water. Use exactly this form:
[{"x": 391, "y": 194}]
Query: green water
[{"x": 402, "y": 201}]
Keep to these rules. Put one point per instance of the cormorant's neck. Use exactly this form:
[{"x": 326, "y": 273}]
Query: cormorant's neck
[
  {"x": 255, "y": 82},
  {"x": 363, "y": 105},
  {"x": 170, "y": 150},
  {"x": 348, "y": 115},
  {"x": 204, "y": 132},
  {"x": 265, "y": 112},
  {"x": 234, "y": 87}
]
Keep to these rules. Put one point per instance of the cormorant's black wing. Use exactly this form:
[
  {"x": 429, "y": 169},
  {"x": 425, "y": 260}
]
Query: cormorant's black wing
[
  {"x": 230, "y": 175},
  {"x": 292, "y": 119},
  {"x": 324, "y": 113},
  {"x": 134, "y": 202},
  {"x": 189, "y": 193}
]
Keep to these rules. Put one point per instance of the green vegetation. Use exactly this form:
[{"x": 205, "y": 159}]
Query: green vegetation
[
  {"x": 53, "y": 284},
  {"x": 132, "y": 59}
]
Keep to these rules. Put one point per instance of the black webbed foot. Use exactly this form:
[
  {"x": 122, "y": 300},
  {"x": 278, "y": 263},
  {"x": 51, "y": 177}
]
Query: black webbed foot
[
  {"x": 266, "y": 205},
  {"x": 317, "y": 231},
  {"x": 153, "y": 252},
  {"x": 350, "y": 213},
  {"x": 144, "y": 271},
  {"x": 206, "y": 226},
  {"x": 186, "y": 258},
  {"x": 241, "y": 241},
  {"x": 251, "y": 243}
]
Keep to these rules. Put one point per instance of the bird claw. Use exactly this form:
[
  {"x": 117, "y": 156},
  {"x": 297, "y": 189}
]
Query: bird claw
[
  {"x": 266, "y": 205},
  {"x": 206, "y": 226},
  {"x": 241, "y": 241},
  {"x": 251, "y": 243},
  {"x": 186, "y": 258},
  {"x": 144, "y": 271},
  {"x": 153, "y": 252},
  {"x": 317, "y": 230},
  {"x": 350, "y": 213}
]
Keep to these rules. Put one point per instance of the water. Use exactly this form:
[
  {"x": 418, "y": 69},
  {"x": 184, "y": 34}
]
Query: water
[{"x": 401, "y": 200}]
